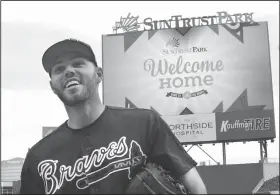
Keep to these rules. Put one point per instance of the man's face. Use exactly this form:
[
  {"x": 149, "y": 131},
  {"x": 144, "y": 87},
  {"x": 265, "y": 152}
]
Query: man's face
[{"x": 74, "y": 80}]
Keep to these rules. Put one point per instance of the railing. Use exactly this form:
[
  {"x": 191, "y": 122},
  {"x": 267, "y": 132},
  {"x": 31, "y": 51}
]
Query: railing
[
  {"x": 236, "y": 161},
  {"x": 6, "y": 191},
  {"x": 258, "y": 186}
]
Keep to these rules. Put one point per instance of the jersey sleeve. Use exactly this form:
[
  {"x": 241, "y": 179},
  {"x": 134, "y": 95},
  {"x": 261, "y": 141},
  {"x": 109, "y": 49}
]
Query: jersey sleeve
[
  {"x": 31, "y": 183},
  {"x": 166, "y": 150}
]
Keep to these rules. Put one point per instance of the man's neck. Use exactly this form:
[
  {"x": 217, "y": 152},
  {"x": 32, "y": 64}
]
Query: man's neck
[{"x": 84, "y": 114}]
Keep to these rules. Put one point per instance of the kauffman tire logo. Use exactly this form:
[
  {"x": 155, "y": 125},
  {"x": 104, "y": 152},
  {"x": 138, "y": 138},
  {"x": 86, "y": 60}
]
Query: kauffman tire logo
[
  {"x": 250, "y": 124},
  {"x": 173, "y": 47},
  {"x": 226, "y": 126}
]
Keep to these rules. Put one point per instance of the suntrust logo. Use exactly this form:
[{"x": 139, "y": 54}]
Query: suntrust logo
[
  {"x": 131, "y": 23},
  {"x": 172, "y": 43},
  {"x": 173, "y": 47}
]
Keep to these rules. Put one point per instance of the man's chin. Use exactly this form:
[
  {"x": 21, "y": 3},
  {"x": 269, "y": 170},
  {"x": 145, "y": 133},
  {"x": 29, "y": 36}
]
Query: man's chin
[
  {"x": 74, "y": 96},
  {"x": 72, "y": 101}
]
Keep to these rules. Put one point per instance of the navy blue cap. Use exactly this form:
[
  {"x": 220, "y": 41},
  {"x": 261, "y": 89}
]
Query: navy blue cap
[{"x": 77, "y": 47}]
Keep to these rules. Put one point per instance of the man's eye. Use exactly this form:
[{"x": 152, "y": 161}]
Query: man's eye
[
  {"x": 77, "y": 64},
  {"x": 59, "y": 69}
]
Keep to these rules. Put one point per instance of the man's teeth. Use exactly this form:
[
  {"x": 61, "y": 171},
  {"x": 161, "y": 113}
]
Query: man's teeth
[{"x": 72, "y": 83}]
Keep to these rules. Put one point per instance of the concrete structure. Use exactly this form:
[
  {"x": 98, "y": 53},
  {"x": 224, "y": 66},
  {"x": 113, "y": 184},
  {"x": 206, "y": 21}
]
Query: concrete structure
[
  {"x": 269, "y": 184},
  {"x": 10, "y": 175}
]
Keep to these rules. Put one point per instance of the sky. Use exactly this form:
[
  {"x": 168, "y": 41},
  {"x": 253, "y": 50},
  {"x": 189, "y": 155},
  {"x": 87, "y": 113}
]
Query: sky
[{"x": 29, "y": 28}]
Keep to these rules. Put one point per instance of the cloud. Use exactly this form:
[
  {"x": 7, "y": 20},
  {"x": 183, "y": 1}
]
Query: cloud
[
  {"x": 25, "y": 112},
  {"x": 23, "y": 45}
]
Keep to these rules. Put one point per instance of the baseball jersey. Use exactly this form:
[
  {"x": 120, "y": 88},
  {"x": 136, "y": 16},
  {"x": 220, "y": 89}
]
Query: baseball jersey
[{"x": 103, "y": 156}]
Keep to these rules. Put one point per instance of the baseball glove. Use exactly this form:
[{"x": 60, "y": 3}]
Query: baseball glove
[{"x": 153, "y": 179}]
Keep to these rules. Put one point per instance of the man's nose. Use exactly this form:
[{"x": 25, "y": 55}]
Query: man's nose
[{"x": 69, "y": 72}]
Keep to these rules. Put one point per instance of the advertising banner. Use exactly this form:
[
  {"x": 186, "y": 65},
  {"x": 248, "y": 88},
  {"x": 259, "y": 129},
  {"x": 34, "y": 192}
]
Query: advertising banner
[
  {"x": 192, "y": 70},
  {"x": 193, "y": 127},
  {"x": 197, "y": 67},
  {"x": 245, "y": 125}
]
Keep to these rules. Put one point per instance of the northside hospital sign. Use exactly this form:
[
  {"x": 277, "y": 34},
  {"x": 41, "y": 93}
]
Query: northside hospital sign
[{"x": 130, "y": 23}]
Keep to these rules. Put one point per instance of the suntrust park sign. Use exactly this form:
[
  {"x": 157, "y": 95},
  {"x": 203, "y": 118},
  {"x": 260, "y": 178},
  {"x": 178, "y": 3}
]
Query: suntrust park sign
[{"x": 131, "y": 23}]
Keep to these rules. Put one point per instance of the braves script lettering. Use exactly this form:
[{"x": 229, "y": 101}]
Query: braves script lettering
[
  {"x": 135, "y": 158},
  {"x": 48, "y": 168}
]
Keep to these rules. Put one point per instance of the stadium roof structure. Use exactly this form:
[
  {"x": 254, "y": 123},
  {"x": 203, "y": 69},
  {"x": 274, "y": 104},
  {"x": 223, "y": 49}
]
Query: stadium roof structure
[{"x": 17, "y": 159}]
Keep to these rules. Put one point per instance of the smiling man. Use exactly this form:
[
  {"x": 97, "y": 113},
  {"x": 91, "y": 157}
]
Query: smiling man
[{"x": 98, "y": 149}]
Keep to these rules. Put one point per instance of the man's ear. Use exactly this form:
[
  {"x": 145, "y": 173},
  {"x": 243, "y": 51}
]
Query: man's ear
[
  {"x": 52, "y": 87},
  {"x": 99, "y": 73}
]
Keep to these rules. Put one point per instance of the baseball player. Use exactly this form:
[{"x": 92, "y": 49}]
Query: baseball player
[{"x": 99, "y": 148}]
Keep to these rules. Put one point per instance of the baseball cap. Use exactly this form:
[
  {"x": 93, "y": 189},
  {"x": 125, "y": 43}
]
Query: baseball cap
[{"x": 73, "y": 46}]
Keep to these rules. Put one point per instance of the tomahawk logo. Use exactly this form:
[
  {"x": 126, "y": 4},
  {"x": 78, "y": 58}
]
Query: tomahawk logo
[{"x": 48, "y": 168}]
